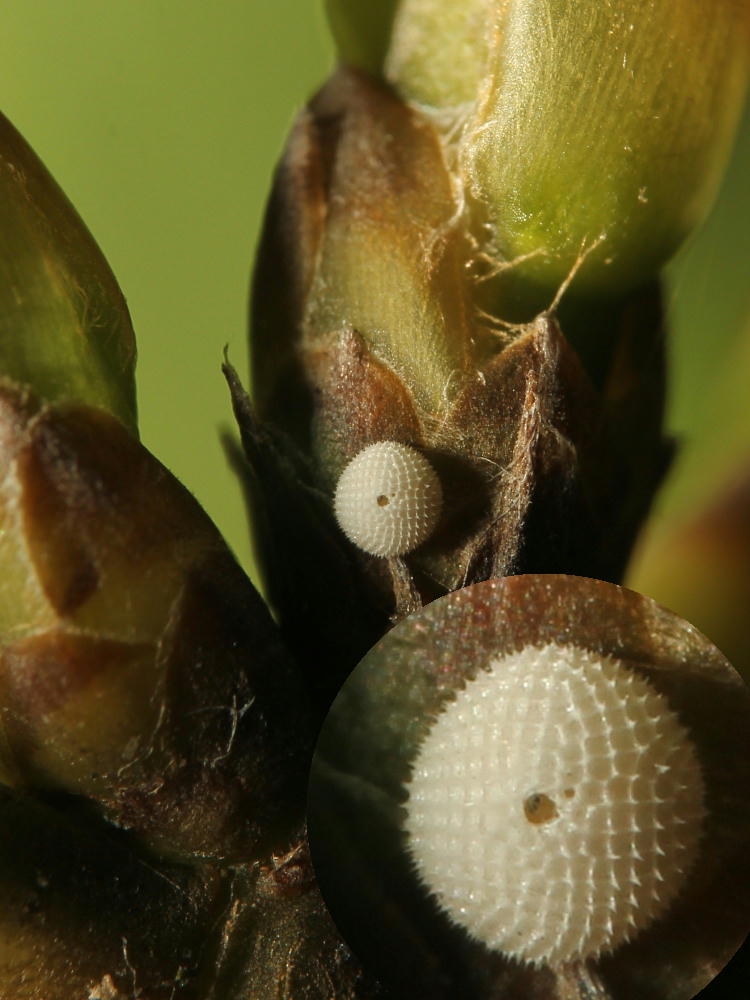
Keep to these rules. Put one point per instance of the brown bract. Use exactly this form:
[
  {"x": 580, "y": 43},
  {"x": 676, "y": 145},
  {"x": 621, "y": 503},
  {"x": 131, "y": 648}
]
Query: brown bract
[{"x": 279, "y": 942}]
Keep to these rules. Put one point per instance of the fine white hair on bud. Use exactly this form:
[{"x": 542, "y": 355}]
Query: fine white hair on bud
[
  {"x": 388, "y": 499},
  {"x": 555, "y": 805}
]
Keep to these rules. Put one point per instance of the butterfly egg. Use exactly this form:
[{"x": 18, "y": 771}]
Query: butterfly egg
[
  {"x": 555, "y": 805},
  {"x": 388, "y": 499}
]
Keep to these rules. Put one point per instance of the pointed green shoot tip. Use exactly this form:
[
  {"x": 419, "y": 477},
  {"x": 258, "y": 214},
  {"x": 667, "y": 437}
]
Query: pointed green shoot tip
[{"x": 65, "y": 330}]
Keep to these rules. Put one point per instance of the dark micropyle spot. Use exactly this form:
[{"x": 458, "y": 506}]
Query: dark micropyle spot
[{"x": 539, "y": 808}]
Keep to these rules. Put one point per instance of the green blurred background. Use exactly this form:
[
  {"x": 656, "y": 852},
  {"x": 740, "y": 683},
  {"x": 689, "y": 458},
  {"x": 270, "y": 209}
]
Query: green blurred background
[{"x": 162, "y": 121}]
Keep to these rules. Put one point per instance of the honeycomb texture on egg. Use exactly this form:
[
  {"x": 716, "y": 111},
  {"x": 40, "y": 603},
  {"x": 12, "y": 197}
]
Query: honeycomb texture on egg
[
  {"x": 555, "y": 806},
  {"x": 388, "y": 499}
]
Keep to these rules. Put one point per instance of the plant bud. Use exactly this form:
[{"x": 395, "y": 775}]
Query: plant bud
[
  {"x": 138, "y": 666},
  {"x": 367, "y": 329},
  {"x": 64, "y": 327},
  {"x": 581, "y": 123},
  {"x": 360, "y": 237},
  {"x": 439, "y": 50},
  {"x": 700, "y": 566}
]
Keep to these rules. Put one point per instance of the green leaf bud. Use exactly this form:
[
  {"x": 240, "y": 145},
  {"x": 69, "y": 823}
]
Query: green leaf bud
[
  {"x": 581, "y": 125},
  {"x": 368, "y": 327},
  {"x": 362, "y": 173},
  {"x": 138, "y": 667},
  {"x": 439, "y": 49},
  {"x": 64, "y": 326}
]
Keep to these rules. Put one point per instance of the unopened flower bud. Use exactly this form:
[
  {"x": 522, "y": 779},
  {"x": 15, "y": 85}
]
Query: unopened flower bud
[
  {"x": 367, "y": 328},
  {"x": 65, "y": 330},
  {"x": 138, "y": 666},
  {"x": 580, "y": 125},
  {"x": 364, "y": 207}
]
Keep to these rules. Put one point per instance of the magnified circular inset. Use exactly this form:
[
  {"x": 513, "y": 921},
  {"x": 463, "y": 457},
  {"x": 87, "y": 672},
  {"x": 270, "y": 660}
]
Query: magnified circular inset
[{"x": 537, "y": 787}]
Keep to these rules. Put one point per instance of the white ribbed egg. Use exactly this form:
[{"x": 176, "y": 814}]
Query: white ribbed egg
[
  {"x": 388, "y": 499},
  {"x": 555, "y": 805}
]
